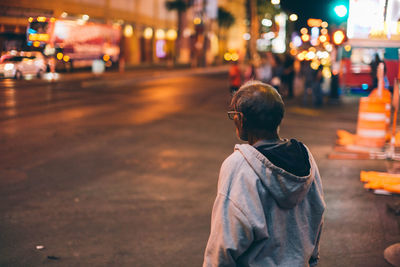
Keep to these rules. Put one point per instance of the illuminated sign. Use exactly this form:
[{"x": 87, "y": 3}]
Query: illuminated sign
[
  {"x": 161, "y": 49},
  {"x": 71, "y": 33},
  {"x": 41, "y": 37},
  {"x": 393, "y": 17},
  {"x": 365, "y": 15},
  {"x": 41, "y": 19},
  {"x": 212, "y": 9},
  {"x": 279, "y": 43},
  {"x": 367, "y": 19},
  {"x": 314, "y": 22}
]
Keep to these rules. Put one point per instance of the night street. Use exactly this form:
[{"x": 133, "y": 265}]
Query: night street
[{"x": 122, "y": 171}]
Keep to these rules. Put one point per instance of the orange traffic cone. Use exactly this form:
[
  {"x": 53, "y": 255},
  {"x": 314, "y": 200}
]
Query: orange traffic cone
[{"x": 374, "y": 115}]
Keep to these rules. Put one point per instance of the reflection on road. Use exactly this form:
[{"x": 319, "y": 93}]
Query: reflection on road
[
  {"x": 33, "y": 105},
  {"x": 8, "y": 83},
  {"x": 158, "y": 102},
  {"x": 8, "y": 101}
]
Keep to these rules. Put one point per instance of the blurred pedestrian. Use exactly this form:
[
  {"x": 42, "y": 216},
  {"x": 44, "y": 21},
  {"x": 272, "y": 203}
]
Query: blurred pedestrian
[
  {"x": 312, "y": 85},
  {"x": 235, "y": 79},
  {"x": 269, "y": 206},
  {"x": 317, "y": 87},
  {"x": 250, "y": 72},
  {"x": 288, "y": 75},
  {"x": 334, "y": 86},
  {"x": 277, "y": 72},
  {"x": 374, "y": 69},
  {"x": 265, "y": 70}
]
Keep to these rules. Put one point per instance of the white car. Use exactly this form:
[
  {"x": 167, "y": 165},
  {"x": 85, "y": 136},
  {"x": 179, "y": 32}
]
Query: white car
[{"x": 26, "y": 63}]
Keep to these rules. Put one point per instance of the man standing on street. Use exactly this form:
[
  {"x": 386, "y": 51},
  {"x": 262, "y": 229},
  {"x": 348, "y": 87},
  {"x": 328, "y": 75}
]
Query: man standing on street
[{"x": 269, "y": 206}]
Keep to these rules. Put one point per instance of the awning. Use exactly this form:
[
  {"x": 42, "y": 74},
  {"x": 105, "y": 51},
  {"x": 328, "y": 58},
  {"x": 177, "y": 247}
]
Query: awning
[{"x": 373, "y": 43}]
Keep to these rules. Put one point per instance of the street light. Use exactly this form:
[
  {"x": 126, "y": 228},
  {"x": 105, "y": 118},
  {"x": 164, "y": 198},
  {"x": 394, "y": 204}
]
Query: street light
[
  {"x": 275, "y": 2},
  {"x": 128, "y": 31}
]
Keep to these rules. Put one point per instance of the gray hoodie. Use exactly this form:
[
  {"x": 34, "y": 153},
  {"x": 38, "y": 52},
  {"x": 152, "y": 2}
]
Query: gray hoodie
[{"x": 264, "y": 215}]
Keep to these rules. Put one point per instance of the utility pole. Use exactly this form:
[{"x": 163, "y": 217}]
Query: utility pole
[
  {"x": 254, "y": 29},
  {"x": 205, "y": 34}
]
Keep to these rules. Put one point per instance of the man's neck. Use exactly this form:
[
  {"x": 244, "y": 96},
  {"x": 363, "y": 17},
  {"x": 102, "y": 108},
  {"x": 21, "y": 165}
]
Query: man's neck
[{"x": 252, "y": 139}]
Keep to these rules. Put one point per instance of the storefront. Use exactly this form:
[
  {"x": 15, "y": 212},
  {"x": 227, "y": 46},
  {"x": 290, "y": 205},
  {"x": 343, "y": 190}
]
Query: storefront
[
  {"x": 13, "y": 25},
  {"x": 373, "y": 28}
]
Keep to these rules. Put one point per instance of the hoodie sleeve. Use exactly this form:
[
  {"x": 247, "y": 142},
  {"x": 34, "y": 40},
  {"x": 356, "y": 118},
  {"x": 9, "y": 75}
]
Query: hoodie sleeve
[
  {"x": 315, "y": 256},
  {"x": 230, "y": 235}
]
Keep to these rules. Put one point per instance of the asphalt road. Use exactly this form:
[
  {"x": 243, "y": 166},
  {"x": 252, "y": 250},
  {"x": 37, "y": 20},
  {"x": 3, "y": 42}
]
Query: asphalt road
[{"x": 122, "y": 171}]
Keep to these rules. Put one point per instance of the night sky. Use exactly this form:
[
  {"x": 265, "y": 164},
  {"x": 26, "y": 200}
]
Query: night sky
[{"x": 319, "y": 9}]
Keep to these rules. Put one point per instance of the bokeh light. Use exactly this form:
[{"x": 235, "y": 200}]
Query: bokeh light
[{"x": 293, "y": 17}]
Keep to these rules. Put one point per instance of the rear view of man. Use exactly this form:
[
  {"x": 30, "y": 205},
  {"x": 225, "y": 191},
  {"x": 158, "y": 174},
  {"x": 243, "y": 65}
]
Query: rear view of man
[{"x": 269, "y": 206}]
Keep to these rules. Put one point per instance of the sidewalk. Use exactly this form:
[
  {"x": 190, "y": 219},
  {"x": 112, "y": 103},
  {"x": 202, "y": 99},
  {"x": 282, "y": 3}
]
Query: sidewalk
[{"x": 358, "y": 226}]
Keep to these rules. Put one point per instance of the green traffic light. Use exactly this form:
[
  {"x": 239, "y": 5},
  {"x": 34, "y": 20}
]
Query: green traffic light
[{"x": 340, "y": 10}]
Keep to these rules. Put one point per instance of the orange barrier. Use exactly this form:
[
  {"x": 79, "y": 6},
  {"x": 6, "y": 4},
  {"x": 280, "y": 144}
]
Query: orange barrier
[
  {"x": 345, "y": 138},
  {"x": 381, "y": 180},
  {"x": 372, "y": 124},
  {"x": 397, "y": 139},
  {"x": 370, "y": 176},
  {"x": 395, "y": 188},
  {"x": 386, "y": 97}
]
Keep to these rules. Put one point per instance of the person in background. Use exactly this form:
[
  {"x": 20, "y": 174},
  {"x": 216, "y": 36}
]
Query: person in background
[
  {"x": 235, "y": 79},
  {"x": 265, "y": 70},
  {"x": 269, "y": 205},
  {"x": 374, "y": 68},
  {"x": 288, "y": 74},
  {"x": 334, "y": 86},
  {"x": 309, "y": 82},
  {"x": 317, "y": 87},
  {"x": 250, "y": 72},
  {"x": 277, "y": 72}
]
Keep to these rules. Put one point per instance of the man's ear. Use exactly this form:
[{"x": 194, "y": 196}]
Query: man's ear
[
  {"x": 241, "y": 127},
  {"x": 239, "y": 121},
  {"x": 242, "y": 121}
]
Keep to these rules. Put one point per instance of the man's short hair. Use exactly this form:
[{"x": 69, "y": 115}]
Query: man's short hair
[{"x": 262, "y": 107}]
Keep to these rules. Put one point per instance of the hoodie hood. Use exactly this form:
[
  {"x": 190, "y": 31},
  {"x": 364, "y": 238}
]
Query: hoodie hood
[{"x": 286, "y": 188}]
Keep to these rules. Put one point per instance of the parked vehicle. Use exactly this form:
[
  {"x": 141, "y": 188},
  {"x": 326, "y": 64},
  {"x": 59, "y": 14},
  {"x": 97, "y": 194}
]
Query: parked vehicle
[
  {"x": 23, "y": 64},
  {"x": 75, "y": 43}
]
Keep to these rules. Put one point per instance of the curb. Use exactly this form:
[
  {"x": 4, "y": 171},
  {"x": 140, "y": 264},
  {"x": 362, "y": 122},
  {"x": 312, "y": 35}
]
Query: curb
[{"x": 89, "y": 79}]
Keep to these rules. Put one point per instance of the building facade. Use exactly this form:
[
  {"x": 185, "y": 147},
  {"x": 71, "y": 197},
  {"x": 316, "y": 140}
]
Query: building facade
[
  {"x": 234, "y": 36},
  {"x": 149, "y": 30},
  {"x": 143, "y": 23}
]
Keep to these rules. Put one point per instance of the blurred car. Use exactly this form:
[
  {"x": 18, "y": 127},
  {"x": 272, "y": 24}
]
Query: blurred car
[{"x": 23, "y": 64}]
